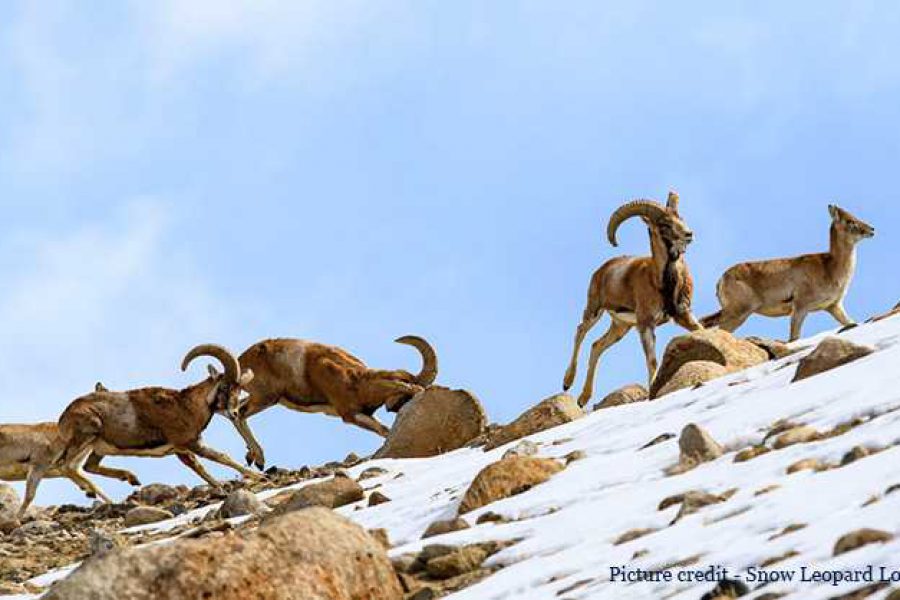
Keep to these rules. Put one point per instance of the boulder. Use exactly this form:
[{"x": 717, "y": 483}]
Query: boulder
[
  {"x": 443, "y": 527},
  {"x": 774, "y": 348},
  {"x": 862, "y": 537},
  {"x": 158, "y": 493},
  {"x": 462, "y": 560},
  {"x": 377, "y": 498},
  {"x": 240, "y": 503},
  {"x": 707, "y": 345},
  {"x": 506, "y": 478},
  {"x": 145, "y": 515},
  {"x": 436, "y": 421},
  {"x": 626, "y": 395},
  {"x": 523, "y": 448},
  {"x": 796, "y": 435},
  {"x": 550, "y": 412},
  {"x": 9, "y": 503},
  {"x": 334, "y": 493},
  {"x": 831, "y": 353},
  {"x": 691, "y": 375},
  {"x": 311, "y": 554},
  {"x": 698, "y": 446},
  {"x": 807, "y": 464}
]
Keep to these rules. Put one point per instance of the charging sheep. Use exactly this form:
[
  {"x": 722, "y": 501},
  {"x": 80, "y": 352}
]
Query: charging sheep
[{"x": 317, "y": 378}]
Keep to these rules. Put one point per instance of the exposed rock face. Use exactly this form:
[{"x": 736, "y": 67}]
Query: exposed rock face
[
  {"x": 626, "y": 395},
  {"x": 333, "y": 493},
  {"x": 506, "y": 478},
  {"x": 857, "y": 539},
  {"x": 145, "y": 515},
  {"x": 551, "y": 412},
  {"x": 240, "y": 503},
  {"x": 691, "y": 375},
  {"x": 709, "y": 345},
  {"x": 830, "y": 354},
  {"x": 9, "y": 503},
  {"x": 436, "y": 421},
  {"x": 307, "y": 555},
  {"x": 698, "y": 446}
]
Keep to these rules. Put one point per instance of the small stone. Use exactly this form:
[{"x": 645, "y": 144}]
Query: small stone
[
  {"x": 146, "y": 515},
  {"x": 371, "y": 473},
  {"x": 157, "y": 493},
  {"x": 435, "y": 550},
  {"x": 830, "y": 354},
  {"x": 333, "y": 493},
  {"x": 491, "y": 517},
  {"x": 748, "y": 454},
  {"x": 862, "y": 537},
  {"x": 727, "y": 589},
  {"x": 574, "y": 456},
  {"x": 241, "y": 503},
  {"x": 376, "y": 498},
  {"x": 463, "y": 560},
  {"x": 855, "y": 454},
  {"x": 626, "y": 395},
  {"x": 351, "y": 460},
  {"x": 697, "y": 445},
  {"x": 797, "y": 435},
  {"x": 550, "y": 412},
  {"x": 665, "y": 437},
  {"x": 523, "y": 448},
  {"x": 807, "y": 464},
  {"x": 506, "y": 478},
  {"x": 444, "y": 527},
  {"x": 634, "y": 534}
]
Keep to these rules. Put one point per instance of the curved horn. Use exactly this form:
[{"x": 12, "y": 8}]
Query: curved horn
[
  {"x": 429, "y": 358},
  {"x": 646, "y": 208},
  {"x": 223, "y": 355}
]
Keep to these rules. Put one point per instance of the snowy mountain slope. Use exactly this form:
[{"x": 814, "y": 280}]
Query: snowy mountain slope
[{"x": 567, "y": 526}]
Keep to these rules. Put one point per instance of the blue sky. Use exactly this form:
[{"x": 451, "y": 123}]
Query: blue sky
[{"x": 174, "y": 173}]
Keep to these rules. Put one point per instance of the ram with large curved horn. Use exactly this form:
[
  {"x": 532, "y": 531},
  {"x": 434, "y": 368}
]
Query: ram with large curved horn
[
  {"x": 316, "y": 378},
  {"x": 642, "y": 292},
  {"x": 154, "y": 421}
]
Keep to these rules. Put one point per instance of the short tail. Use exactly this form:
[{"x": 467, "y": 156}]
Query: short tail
[{"x": 712, "y": 320}]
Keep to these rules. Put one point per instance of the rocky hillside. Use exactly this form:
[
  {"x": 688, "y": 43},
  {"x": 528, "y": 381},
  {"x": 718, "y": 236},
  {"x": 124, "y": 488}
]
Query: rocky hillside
[{"x": 777, "y": 480}]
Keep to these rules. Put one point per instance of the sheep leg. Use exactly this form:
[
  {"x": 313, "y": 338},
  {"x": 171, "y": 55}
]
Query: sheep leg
[
  {"x": 93, "y": 466},
  {"x": 688, "y": 321},
  {"x": 193, "y": 464},
  {"x": 797, "y": 319},
  {"x": 208, "y": 453},
  {"x": 255, "y": 454},
  {"x": 35, "y": 475},
  {"x": 86, "y": 485},
  {"x": 616, "y": 332},
  {"x": 733, "y": 317},
  {"x": 583, "y": 328},
  {"x": 369, "y": 423},
  {"x": 648, "y": 341},
  {"x": 840, "y": 315}
]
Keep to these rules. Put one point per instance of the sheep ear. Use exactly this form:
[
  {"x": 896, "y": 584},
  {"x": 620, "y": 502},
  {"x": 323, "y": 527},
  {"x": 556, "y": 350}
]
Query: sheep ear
[
  {"x": 246, "y": 376},
  {"x": 834, "y": 211},
  {"x": 212, "y": 371},
  {"x": 672, "y": 202}
]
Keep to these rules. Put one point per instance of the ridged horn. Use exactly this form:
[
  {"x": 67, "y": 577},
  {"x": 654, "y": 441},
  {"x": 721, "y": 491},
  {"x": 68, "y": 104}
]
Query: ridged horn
[
  {"x": 229, "y": 361},
  {"x": 429, "y": 358},
  {"x": 648, "y": 208}
]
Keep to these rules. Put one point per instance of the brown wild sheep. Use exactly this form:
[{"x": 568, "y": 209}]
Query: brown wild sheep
[
  {"x": 642, "y": 291},
  {"x": 794, "y": 286},
  {"x": 317, "y": 378},
  {"x": 156, "y": 421},
  {"x": 27, "y": 453}
]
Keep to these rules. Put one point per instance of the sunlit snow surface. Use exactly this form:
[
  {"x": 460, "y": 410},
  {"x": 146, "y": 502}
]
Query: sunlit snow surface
[{"x": 567, "y": 525}]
